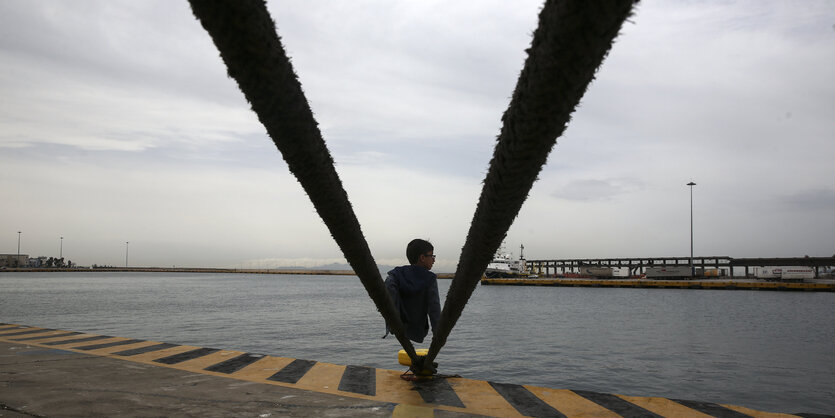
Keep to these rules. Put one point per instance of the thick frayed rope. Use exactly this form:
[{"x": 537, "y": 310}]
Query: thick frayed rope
[
  {"x": 245, "y": 35},
  {"x": 569, "y": 45}
]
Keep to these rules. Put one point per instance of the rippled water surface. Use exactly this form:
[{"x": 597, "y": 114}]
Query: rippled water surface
[{"x": 773, "y": 351}]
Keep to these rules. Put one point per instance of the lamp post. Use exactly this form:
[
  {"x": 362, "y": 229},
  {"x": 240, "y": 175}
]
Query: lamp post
[
  {"x": 17, "y": 260},
  {"x": 692, "y": 268},
  {"x": 61, "y": 251},
  {"x": 127, "y": 246}
]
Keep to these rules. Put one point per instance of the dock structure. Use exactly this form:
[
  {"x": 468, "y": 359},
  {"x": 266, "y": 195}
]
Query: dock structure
[
  {"x": 50, "y": 372},
  {"x": 638, "y": 265},
  {"x": 635, "y": 265},
  {"x": 815, "y": 262}
]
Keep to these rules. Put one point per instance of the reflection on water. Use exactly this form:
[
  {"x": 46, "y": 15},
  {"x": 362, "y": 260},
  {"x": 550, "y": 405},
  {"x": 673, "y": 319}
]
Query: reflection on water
[{"x": 766, "y": 350}]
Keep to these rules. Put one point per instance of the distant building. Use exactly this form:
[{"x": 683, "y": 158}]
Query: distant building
[
  {"x": 14, "y": 260},
  {"x": 37, "y": 262}
]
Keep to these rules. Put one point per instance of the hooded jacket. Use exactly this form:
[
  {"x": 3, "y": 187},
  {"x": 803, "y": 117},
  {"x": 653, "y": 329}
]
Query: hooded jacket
[{"x": 414, "y": 290}]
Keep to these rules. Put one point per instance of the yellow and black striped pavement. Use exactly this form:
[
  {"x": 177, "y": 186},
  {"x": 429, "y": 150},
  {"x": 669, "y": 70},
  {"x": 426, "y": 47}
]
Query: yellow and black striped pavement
[{"x": 420, "y": 398}]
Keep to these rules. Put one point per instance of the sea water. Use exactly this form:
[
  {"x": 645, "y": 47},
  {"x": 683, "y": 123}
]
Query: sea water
[{"x": 773, "y": 351}]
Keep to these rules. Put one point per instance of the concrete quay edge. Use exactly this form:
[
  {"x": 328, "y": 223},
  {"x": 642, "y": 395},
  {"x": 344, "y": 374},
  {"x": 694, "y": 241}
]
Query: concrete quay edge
[
  {"x": 713, "y": 284},
  {"x": 49, "y": 372}
]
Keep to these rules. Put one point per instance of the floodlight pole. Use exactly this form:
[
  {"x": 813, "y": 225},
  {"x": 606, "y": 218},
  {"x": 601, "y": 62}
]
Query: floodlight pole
[{"x": 692, "y": 267}]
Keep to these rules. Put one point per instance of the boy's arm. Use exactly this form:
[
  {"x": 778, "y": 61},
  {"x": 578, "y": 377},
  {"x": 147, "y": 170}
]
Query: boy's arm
[
  {"x": 391, "y": 284},
  {"x": 434, "y": 305},
  {"x": 391, "y": 288}
]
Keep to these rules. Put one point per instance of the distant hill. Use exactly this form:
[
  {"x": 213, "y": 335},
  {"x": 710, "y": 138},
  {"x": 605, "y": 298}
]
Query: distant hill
[
  {"x": 345, "y": 266},
  {"x": 384, "y": 269}
]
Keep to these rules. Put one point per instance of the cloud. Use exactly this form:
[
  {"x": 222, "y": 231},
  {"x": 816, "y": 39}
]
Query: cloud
[
  {"x": 589, "y": 190},
  {"x": 123, "y": 118},
  {"x": 822, "y": 199},
  {"x": 120, "y": 124}
]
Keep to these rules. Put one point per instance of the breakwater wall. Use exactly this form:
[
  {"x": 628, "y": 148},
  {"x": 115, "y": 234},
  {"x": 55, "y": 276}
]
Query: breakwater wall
[{"x": 828, "y": 286}]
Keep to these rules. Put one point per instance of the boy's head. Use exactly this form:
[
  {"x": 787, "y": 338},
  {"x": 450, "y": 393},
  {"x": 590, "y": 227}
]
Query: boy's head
[{"x": 420, "y": 252}]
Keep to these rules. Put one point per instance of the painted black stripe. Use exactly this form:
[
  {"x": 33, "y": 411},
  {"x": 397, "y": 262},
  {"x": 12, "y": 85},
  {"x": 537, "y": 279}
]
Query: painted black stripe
[
  {"x": 234, "y": 364},
  {"x": 359, "y": 379},
  {"x": 438, "y": 391},
  {"x": 36, "y": 331},
  {"x": 3, "y": 332},
  {"x": 292, "y": 372},
  {"x": 105, "y": 345},
  {"x": 616, "y": 404},
  {"x": 78, "y": 340},
  {"x": 810, "y": 415},
  {"x": 712, "y": 409},
  {"x": 43, "y": 337},
  {"x": 148, "y": 349},
  {"x": 524, "y": 401},
  {"x": 188, "y": 355}
]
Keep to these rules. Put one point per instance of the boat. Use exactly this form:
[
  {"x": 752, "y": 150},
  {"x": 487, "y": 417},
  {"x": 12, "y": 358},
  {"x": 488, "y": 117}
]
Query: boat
[{"x": 504, "y": 266}]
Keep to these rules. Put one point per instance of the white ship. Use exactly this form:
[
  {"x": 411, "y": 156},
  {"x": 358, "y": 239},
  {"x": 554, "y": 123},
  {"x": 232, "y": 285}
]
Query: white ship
[{"x": 504, "y": 266}]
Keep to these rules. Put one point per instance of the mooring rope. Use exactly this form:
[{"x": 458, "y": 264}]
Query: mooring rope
[
  {"x": 245, "y": 35},
  {"x": 570, "y": 43}
]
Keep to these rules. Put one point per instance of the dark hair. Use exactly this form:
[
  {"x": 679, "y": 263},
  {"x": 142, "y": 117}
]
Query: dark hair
[{"x": 416, "y": 248}]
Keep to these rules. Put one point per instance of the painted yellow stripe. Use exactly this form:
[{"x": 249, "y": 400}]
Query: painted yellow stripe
[
  {"x": 55, "y": 339},
  {"x": 44, "y": 335},
  {"x": 394, "y": 389},
  {"x": 322, "y": 377},
  {"x": 411, "y": 411},
  {"x": 77, "y": 344},
  {"x": 148, "y": 358},
  {"x": 570, "y": 403},
  {"x": 106, "y": 350},
  {"x": 14, "y": 329},
  {"x": 264, "y": 368},
  {"x": 664, "y": 407},
  {"x": 481, "y": 398},
  {"x": 757, "y": 414},
  {"x": 200, "y": 363}
]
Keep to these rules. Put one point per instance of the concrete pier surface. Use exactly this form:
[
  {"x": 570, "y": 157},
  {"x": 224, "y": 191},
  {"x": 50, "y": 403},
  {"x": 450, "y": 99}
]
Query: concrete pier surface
[
  {"x": 49, "y": 373},
  {"x": 51, "y": 382}
]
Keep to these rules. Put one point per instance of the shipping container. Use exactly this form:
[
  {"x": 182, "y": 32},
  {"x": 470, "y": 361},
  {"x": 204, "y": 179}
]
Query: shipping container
[
  {"x": 769, "y": 272},
  {"x": 670, "y": 272},
  {"x": 797, "y": 273},
  {"x": 596, "y": 271}
]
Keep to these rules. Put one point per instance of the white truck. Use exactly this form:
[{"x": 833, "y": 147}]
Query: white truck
[
  {"x": 769, "y": 272},
  {"x": 786, "y": 273},
  {"x": 797, "y": 273},
  {"x": 595, "y": 271},
  {"x": 669, "y": 272}
]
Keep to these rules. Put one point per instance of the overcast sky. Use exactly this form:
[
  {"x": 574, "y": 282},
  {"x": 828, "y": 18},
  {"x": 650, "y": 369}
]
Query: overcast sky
[{"x": 118, "y": 123}]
